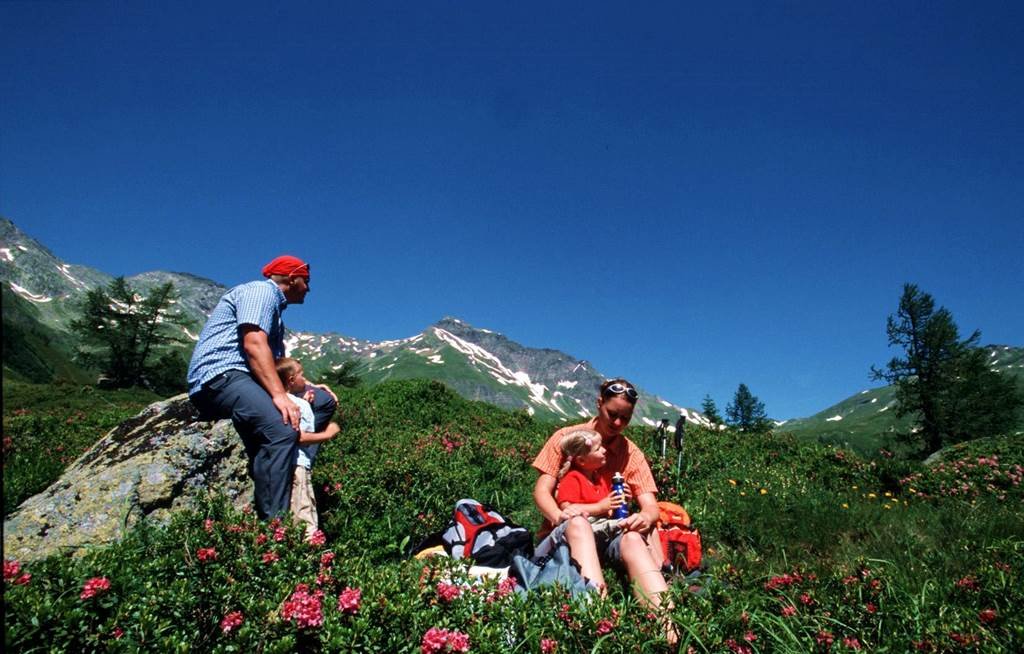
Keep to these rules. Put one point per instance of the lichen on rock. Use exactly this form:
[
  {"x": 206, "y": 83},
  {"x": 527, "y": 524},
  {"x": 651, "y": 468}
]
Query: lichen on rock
[{"x": 158, "y": 462}]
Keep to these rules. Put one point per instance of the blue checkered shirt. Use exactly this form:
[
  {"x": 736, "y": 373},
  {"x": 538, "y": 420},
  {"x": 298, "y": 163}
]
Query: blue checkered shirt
[{"x": 219, "y": 348}]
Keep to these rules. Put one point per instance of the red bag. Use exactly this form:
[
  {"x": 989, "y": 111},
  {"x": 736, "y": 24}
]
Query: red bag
[{"x": 680, "y": 541}]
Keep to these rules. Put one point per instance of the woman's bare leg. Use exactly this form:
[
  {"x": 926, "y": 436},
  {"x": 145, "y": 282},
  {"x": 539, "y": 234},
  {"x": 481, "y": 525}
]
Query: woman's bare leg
[{"x": 645, "y": 573}]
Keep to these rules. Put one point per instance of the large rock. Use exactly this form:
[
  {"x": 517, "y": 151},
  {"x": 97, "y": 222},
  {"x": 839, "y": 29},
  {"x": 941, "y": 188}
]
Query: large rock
[{"x": 154, "y": 464}]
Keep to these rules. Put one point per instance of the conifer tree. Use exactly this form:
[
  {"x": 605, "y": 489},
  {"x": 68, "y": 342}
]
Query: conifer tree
[
  {"x": 710, "y": 411},
  {"x": 126, "y": 335},
  {"x": 942, "y": 380},
  {"x": 746, "y": 412}
]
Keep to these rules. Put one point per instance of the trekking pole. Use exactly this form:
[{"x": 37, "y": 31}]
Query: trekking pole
[
  {"x": 680, "y": 433},
  {"x": 662, "y": 436}
]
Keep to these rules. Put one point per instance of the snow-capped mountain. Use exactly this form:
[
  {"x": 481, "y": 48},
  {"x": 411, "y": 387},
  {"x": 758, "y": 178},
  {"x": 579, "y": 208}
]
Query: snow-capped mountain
[{"x": 41, "y": 293}]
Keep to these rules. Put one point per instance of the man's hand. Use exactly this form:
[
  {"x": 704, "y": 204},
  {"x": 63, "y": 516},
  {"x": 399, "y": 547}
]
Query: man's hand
[{"x": 289, "y": 410}]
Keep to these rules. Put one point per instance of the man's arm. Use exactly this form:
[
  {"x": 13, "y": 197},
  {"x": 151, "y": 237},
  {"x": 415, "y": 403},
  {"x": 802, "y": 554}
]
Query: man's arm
[{"x": 261, "y": 365}]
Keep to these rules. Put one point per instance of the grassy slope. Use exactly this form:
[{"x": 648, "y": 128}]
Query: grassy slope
[{"x": 885, "y": 559}]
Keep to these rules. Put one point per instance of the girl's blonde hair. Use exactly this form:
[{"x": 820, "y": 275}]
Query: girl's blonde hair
[{"x": 576, "y": 443}]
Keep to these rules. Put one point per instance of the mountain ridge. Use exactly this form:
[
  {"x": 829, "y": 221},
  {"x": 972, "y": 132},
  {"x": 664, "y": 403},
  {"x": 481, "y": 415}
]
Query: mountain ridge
[{"x": 479, "y": 364}]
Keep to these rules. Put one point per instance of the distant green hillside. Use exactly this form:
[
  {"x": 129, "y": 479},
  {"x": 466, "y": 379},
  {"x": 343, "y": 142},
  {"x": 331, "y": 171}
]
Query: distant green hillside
[
  {"x": 867, "y": 421},
  {"x": 33, "y": 351}
]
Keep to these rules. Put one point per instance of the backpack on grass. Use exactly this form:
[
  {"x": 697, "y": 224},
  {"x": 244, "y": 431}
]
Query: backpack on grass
[
  {"x": 680, "y": 540},
  {"x": 480, "y": 533}
]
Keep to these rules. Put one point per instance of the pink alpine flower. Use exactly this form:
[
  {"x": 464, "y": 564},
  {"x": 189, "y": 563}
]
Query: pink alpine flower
[
  {"x": 208, "y": 525},
  {"x": 206, "y": 554},
  {"x": 435, "y": 640},
  {"x": 231, "y": 621},
  {"x": 326, "y": 559},
  {"x": 458, "y": 642},
  {"x": 12, "y": 570},
  {"x": 604, "y": 626},
  {"x": 852, "y": 643},
  {"x": 94, "y": 587},
  {"x": 318, "y": 538},
  {"x": 270, "y": 557},
  {"x": 348, "y": 601},
  {"x": 824, "y": 638},
  {"x": 788, "y": 611},
  {"x": 279, "y": 534},
  {"x": 261, "y": 539},
  {"x": 987, "y": 616},
  {"x": 304, "y": 608},
  {"x": 448, "y": 592},
  {"x": 548, "y": 645}
]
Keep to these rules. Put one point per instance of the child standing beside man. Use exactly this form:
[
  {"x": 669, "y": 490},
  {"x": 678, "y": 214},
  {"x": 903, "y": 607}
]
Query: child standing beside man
[{"x": 303, "y": 504}]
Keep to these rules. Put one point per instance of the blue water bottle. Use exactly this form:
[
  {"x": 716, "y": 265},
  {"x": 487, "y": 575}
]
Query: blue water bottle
[{"x": 619, "y": 487}]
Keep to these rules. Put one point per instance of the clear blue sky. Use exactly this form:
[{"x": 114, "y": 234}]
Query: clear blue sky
[{"x": 689, "y": 197}]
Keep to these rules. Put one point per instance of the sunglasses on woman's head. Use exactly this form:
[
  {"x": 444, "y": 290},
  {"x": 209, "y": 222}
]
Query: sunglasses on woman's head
[{"x": 621, "y": 389}]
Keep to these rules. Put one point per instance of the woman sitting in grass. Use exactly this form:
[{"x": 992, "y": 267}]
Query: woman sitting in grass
[{"x": 628, "y": 550}]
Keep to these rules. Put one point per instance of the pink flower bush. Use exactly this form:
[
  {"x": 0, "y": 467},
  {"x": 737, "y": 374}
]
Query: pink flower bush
[
  {"x": 279, "y": 534},
  {"x": 231, "y": 621},
  {"x": 326, "y": 559},
  {"x": 270, "y": 557},
  {"x": 788, "y": 611},
  {"x": 548, "y": 645},
  {"x": 448, "y": 592},
  {"x": 318, "y": 538},
  {"x": 348, "y": 601},
  {"x": 206, "y": 554},
  {"x": 987, "y": 616},
  {"x": 11, "y": 569},
  {"x": 93, "y": 587},
  {"x": 605, "y": 626},
  {"x": 304, "y": 608},
  {"x": 13, "y": 573},
  {"x": 441, "y": 640}
]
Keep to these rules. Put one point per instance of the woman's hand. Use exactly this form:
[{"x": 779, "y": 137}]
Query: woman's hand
[{"x": 636, "y": 522}]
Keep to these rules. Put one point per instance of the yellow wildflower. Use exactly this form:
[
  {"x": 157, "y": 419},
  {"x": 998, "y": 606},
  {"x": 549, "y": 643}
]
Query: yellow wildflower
[
  {"x": 888, "y": 494},
  {"x": 764, "y": 491},
  {"x": 743, "y": 493},
  {"x": 872, "y": 495},
  {"x": 845, "y": 505},
  {"x": 732, "y": 481}
]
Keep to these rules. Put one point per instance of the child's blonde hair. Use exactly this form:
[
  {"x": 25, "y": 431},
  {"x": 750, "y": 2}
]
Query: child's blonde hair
[
  {"x": 576, "y": 443},
  {"x": 286, "y": 367}
]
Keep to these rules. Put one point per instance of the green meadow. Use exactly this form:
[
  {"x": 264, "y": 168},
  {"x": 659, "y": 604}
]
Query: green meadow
[{"x": 809, "y": 547}]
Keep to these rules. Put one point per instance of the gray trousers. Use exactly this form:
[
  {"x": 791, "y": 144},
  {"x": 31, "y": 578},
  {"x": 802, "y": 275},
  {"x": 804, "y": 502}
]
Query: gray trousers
[{"x": 269, "y": 442}]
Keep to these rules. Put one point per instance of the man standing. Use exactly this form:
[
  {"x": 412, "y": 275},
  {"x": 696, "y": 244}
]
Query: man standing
[{"x": 232, "y": 375}]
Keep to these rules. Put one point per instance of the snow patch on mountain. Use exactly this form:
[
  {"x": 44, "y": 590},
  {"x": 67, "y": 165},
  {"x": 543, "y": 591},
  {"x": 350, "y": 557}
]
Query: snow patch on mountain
[
  {"x": 834, "y": 418},
  {"x": 29, "y": 295},
  {"x": 5, "y": 254},
  {"x": 479, "y": 356},
  {"x": 567, "y": 384}
]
